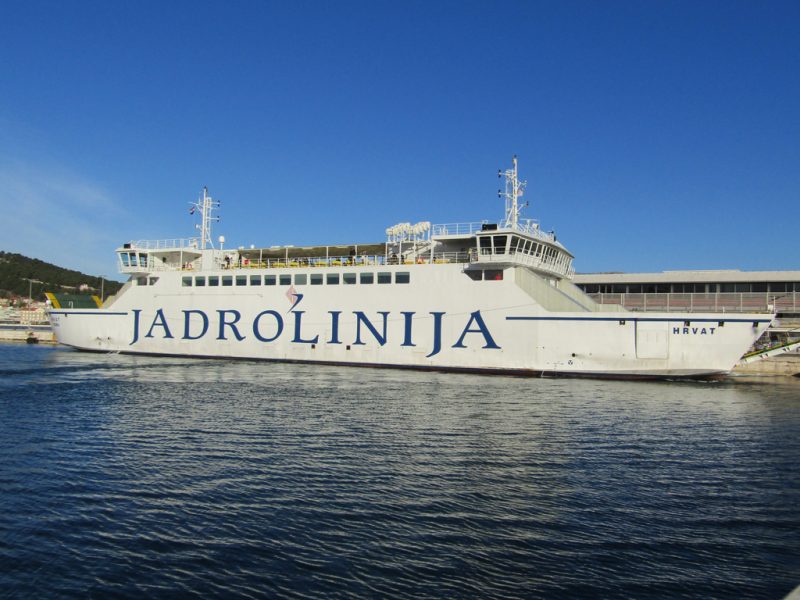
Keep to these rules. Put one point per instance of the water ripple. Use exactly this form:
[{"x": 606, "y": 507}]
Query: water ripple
[{"x": 133, "y": 476}]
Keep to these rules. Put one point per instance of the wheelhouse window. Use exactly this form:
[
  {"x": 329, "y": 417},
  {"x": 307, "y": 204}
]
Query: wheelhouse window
[
  {"x": 485, "y": 244},
  {"x": 500, "y": 242},
  {"x": 123, "y": 256}
]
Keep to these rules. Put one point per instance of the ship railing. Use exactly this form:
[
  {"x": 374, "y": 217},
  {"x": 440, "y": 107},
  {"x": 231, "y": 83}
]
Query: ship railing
[
  {"x": 457, "y": 228},
  {"x": 558, "y": 264},
  {"x": 527, "y": 227},
  {"x": 535, "y": 232},
  {"x": 171, "y": 244},
  {"x": 735, "y": 302},
  {"x": 152, "y": 266},
  {"x": 531, "y": 228},
  {"x": 373, "y": 260}
]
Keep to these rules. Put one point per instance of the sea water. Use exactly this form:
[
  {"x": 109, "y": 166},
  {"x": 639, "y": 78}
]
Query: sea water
[{"x": 124, "y": 476}]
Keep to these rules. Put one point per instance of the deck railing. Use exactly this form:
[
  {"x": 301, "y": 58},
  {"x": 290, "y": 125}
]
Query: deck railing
[
  {"x": 787, "y": 302},
  {"x": 172, "y": 244},
  {"x": 457, "y": 228},
  {"x": 294, "y": 262},
  {"x": 558, "y": 265},
  {"x": 528, "y": 227}
]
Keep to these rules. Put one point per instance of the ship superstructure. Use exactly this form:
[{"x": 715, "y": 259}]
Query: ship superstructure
[{"x": 480, "y": 296}]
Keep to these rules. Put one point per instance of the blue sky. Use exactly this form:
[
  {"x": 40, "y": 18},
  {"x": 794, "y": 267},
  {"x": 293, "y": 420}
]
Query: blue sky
[{"x": 653, "y": 135}]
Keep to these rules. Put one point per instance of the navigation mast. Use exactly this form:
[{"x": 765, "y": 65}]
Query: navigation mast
[
  {"x": 514, "y": 191},
  {"x": 205, "y": 204}
]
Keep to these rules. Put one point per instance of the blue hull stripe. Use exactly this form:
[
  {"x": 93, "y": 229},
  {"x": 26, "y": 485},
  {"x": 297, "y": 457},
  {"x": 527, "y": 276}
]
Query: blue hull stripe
[
  {"x": 620, "y": 318},
  {"x": 634, "y": 319},
  {"x": 88, "y": 312}
]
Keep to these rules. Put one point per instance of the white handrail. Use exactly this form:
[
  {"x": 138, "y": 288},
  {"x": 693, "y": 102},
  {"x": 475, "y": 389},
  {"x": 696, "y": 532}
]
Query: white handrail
[
  {"x": 292, "y": 262},
  {"x": 457, "y": 228},
  {"x": 175, "y": 243}
]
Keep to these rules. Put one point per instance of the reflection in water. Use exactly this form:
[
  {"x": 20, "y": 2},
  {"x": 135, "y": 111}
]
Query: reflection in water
[{"x": 135, "y": 475}]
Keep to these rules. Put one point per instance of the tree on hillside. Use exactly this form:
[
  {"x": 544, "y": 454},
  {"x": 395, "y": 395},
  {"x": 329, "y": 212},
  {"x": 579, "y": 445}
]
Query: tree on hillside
[{"x": 20, "y": 275}]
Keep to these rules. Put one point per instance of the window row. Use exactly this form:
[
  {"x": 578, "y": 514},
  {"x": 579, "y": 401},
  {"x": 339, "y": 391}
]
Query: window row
[
  {"x": 499, "y": 244},
  {"x": 297, "y": 279}
]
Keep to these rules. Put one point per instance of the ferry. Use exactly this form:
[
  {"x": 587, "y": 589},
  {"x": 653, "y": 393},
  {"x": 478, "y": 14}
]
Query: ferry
[{"x": 488, "y": 296}]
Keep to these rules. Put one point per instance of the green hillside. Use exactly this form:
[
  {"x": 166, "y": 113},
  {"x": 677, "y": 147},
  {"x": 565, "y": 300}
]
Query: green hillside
[{"x": 16, "y": 269}]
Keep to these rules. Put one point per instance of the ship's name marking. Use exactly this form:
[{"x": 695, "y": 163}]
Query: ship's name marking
[
  {"x": 269, "y": 326},
  {"x": 693, "y": 330}
]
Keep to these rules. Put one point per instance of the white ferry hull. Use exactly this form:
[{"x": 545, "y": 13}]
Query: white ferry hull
[{"x": 439, "y": 320}]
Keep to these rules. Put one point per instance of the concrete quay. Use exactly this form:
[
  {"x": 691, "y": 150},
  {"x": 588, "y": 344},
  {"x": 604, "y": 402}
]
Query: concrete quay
[
  {"x": 785, "y": 364},
  {"x": 21, "y": 335}
]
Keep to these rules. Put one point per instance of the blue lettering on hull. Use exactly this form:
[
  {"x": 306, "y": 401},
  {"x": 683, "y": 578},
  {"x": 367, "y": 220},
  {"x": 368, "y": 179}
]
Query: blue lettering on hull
[
  {"x": 268, "y": 326},
  {"x": 693, "y": 330}
]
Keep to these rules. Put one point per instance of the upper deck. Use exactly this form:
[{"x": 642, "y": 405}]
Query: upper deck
[
  {"x": 512, "y": 242},
  {"x": 495, "y": 248}
]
